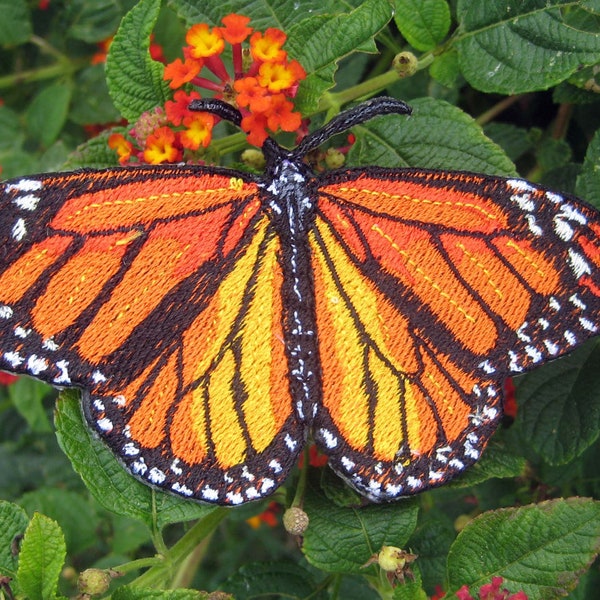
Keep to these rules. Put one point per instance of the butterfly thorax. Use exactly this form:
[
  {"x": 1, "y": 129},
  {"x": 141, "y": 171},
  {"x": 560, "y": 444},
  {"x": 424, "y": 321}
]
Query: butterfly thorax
[{"x": 289, "y": 199}]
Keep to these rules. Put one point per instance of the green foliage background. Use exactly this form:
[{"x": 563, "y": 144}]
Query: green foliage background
[{"x": 502, "y": 87}]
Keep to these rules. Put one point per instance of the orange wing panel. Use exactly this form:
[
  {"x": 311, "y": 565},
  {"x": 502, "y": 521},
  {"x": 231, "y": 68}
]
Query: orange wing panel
[
  {"x": 130, "y": 204},
  {"x": 25, "y": 271},
  {"x": 434, "y": 205}
]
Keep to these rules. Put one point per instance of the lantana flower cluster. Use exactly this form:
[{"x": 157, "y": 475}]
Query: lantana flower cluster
[
  {"x": 261, "y": 84},
  {"x": 491, "y": 591}
]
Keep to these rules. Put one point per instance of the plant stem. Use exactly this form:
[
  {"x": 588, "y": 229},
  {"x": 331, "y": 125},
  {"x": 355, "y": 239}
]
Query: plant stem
[{"x": 160, "y": 576}]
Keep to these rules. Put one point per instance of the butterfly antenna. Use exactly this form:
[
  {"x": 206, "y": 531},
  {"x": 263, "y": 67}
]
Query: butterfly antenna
[
  {"x": 349, "y": 118},
  {"x": 217, "y": 107}
]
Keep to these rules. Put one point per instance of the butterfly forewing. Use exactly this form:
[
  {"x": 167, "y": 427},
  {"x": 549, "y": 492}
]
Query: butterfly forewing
[
  {"x": 165, "y": 308},
  {"x": 431, "y": 288}
]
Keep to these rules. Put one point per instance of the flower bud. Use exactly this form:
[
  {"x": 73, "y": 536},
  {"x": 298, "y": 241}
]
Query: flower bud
[
  {"x": 94, "y": 582},
  {"x": 405, "y": 64},
  {"x": 295, "y": 520}
]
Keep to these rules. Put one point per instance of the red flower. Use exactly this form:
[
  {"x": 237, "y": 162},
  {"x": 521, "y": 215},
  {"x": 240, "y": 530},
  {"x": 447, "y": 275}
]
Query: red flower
[
  {"x": 7, "y": 378},
  {"x": 270, "y": 517},
  {"x": 491, "y": 591}
]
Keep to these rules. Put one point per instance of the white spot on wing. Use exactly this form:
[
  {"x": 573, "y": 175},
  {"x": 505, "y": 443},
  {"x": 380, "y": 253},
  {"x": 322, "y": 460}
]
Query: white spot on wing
[
  {"x": 578, "y": 264},
  {"x": 28, "y": 202},
  {"x": 25, "y": 185},
  {"x": 19, "y": 231},
  {"x": 6, "y": 312}
]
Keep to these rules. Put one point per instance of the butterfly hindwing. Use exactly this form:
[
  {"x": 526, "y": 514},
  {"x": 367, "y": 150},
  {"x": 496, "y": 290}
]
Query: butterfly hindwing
[
  {"x": 431, "y": 288},
  {"x": 165, "y": 308}
]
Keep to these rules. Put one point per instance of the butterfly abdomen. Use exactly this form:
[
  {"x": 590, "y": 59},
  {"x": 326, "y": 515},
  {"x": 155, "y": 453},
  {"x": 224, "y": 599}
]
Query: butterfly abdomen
[{"x": 289, "y": 196}]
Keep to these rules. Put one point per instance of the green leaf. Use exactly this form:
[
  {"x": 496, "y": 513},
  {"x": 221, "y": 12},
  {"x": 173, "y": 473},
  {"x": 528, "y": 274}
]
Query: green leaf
[
  {"x": 540, "y": 549},
  {"x": 92, "y": 104},
  {"x": 75, "y": 515},
  {"x": 41, "y": 558},
  {"x": 92, "y": 21},
  {"x": 27, "y": 394},
  {"x": 588, "y": 182},
  {"x": 127, "y": 592},
  {"x": 516, "y": 46},
  {"x": 94, "y": 153},
  {"x": 107, "y": 480},
  {"x": 15, "y": 24},
  {"x": 445, "y": 69},
  {"x": 514, "y": 140},
  {"x": 47, "y": 113},
  {"x": 424, "y": 23},
  {"x": 264, "y": 13},
  {"x": 319, "y": 43},
  {"x": 135, "y": 81},
  {"x": 497, "y": 461},
  {"x": 280, "y": 579},
  {"x": 341, "y": 540},
  {"x": 13, "y": 523},
  {"x": 430, "y": 542},
  {"x": 559, "y": 405},
  {"x": 437, "y": 135}
]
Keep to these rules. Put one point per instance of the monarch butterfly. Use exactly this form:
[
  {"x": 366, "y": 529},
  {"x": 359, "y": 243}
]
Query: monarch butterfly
[{"x": 212, "y": 318}]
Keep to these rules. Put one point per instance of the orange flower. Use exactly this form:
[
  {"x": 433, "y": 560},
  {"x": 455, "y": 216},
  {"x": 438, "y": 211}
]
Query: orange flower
[
  {"x": 251, "y": 94},
  {"x": 100, "y": 56},
  {"x": 203, "y": 41},
  {"x": 180, "y": 72},
  {"x": 255, "y": 125},
  {"x": 235, "y": 30},
  {"x": 281, "y": 115},
  {"x": 177, "y": 109},
  {"x": 198, "y": 132},
  {"x": 267, "y": 46},
  {"x": 279, "y": 76},
  {"x": 161, "y": 147},
  {"x": 122, "y": 146}
]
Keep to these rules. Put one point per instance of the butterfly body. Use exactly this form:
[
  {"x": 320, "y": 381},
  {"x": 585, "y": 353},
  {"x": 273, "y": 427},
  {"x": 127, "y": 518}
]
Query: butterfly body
[{"x": 214, "y": 318}]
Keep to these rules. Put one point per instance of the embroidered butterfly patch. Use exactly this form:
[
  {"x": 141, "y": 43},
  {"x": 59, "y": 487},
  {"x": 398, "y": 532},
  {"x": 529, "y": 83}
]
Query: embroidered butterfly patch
[{"x": 213, "y": 318}]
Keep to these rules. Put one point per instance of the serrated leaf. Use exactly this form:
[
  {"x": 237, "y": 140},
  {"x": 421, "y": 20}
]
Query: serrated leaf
[
  {"x": 588, "y": 182},
  {"x": 263, "y": 13},
  {"x": 276, "y": 579},
  {"x": 559, "y": 405},
  {"x": 516, "y": 46},
  {"x": 341, "y": 540},
  {"x": 41, "y": 558},
  {"x": 539, "y": 549},
  {"x": 424, "y": 23},
  {"x": 27, "y": 394},
  {"x": 319, "y": 43},
  {"x": 15, "y": 24},
  {"x": 108, "y": 481},
  {"x": 437, "y": 135},
  {"x": 134, "y": 80},
  {"x": 47, "y": 113},
  {"x": 13, "y": 523},
  {"x": 496, "y": 462},
  {"x": 95, "y": 153}
]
